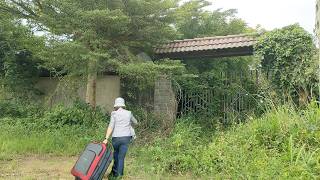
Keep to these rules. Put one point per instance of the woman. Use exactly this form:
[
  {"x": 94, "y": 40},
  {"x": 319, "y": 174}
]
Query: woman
[{"x": 120, "y": 127}]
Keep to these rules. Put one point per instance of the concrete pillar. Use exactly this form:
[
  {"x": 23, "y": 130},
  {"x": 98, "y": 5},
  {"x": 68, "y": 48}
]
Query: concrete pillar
[{"x": 165, "y": 104}]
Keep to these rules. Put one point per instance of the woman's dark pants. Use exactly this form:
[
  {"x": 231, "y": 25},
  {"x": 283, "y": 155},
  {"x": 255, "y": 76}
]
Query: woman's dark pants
[{"x": 120, "y": 145}]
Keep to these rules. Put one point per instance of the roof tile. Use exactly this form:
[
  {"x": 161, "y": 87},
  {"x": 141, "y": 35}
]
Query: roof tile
[{"x": 207, "y": 43}]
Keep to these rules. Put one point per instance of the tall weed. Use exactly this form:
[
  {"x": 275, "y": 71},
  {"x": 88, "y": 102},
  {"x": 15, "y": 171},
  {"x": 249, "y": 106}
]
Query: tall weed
[{"x": 283, "y": 143}]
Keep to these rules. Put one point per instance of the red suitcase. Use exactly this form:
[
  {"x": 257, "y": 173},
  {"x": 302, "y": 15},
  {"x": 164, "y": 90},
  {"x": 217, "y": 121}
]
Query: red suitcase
[{"x": 93, "y": 162}]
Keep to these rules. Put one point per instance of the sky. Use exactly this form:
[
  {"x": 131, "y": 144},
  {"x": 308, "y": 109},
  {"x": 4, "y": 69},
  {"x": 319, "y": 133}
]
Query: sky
[{"x": 272, "y": 14}]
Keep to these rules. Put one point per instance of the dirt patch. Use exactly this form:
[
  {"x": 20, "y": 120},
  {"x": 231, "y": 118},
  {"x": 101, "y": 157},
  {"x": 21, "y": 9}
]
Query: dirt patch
[
  {"x": 37, "y": 167},
  {"x": 46, "y": 167}
]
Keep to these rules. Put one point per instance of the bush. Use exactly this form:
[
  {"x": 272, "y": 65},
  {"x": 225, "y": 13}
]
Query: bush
[
  {"x": 79, "y": 114},
  {"x": 289, "y": 58},
  {"x": 18, "y": 109},
  {"x": 9, "y": 109},
  {"x": 60, "y": 130},
  {"x": 283, "y": 143}
]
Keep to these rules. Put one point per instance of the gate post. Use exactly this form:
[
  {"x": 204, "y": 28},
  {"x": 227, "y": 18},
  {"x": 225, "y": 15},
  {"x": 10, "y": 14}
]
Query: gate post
[{"x": 165, "y": 105}]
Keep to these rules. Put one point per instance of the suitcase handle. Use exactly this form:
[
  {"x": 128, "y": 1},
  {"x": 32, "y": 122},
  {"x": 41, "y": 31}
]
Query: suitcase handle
[{"x": 109, "y": 144}]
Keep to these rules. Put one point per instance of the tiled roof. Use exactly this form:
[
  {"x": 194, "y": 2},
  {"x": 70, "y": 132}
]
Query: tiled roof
[{"x": 207, "y": 43}]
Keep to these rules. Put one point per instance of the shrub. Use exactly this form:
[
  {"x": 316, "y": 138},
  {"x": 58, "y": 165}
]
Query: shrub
[
  {"x": 178, "y": 152},
  {"x": 18, "y": 109},
  {"x": 60, "y": 130},
  {"x": 283, "y": 143},
  {"x": 289, "y": 59},
  {"x": 78, "y": 114},
  {"x": 9, "y": 109}
]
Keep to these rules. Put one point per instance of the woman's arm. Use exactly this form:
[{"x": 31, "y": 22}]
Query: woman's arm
[
  {"x": 109, "y": 132},
  {"x": 109, "y": 129},
  {"x": 133, "y": 120}
]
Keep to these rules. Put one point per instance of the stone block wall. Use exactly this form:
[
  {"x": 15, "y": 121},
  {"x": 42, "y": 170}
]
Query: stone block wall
[{"x": 165, "y": 104}]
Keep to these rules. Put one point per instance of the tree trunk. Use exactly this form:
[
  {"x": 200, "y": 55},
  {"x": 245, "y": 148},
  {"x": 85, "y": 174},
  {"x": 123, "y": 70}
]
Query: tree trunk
[{"x": 91, "y": 84}]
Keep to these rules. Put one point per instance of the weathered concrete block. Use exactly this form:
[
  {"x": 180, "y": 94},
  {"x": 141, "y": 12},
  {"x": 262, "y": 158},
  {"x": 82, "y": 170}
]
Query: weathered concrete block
[{"x": 165, "y": 104}]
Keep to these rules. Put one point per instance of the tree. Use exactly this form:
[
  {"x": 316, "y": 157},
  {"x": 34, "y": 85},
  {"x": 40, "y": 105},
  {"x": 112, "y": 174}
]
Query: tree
[
  {"x": 96, "y": 32},
  {"x": 288, "y": 56},
  {"x": 18, "y": 66},
  {"x": 193, "y": 21}
]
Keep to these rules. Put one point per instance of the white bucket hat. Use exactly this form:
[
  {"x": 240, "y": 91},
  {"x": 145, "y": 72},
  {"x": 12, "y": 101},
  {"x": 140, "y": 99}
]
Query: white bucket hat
[{"x": 119, "y": 102}]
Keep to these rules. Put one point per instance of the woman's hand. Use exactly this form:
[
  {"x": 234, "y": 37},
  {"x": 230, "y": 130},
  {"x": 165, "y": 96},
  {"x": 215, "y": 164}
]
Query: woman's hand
[{"x": 108, "y": 134}]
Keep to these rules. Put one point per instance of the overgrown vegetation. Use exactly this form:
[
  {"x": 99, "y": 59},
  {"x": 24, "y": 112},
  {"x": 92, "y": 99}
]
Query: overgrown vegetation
[
  {"x": 60, "y": 130},
  {"x": 138, "y": 79},
  {"x": 284, "y": 143},
  {"x": 231, "y": 80},
  {"x": 18, "y": 66},
  {"x": 274, "y": 140},
  {"x": 289, "y": 59}
]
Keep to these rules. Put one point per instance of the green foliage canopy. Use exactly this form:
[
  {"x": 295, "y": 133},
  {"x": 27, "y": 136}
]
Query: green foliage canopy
[
  {"x": 99, "y": 31},
  {"x": 142, "y": 75},
  {"x": 193, "y": 21},
  {"x": 288, "y": 56},
  {"x": 18, "y": 66},
  {"x": 113, "y": 30}
]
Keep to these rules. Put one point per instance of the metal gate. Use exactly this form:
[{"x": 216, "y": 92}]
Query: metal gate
[{"x": 221, "y": 102}]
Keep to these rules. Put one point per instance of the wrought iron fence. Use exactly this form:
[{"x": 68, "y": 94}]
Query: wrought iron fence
[{"x": 234, "y": 99}]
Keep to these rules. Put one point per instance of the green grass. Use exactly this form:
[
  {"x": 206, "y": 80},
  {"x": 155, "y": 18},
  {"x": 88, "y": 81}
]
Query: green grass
[
  {"x": 58, "y": 131},
  {"x": 20, "y": 139},
  {"x": 284, "y": 143}
]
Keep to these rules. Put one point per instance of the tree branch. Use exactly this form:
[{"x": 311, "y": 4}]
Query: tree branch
[{"x": 24, "y": 7}]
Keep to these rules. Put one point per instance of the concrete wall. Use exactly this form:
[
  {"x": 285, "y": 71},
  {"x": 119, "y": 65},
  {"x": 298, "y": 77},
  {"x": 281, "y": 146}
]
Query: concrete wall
[
  {"x": 165, "y": 104},
  {"x": 65, "y": 91}
]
